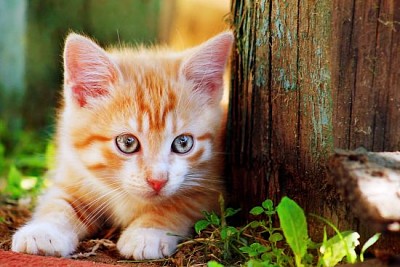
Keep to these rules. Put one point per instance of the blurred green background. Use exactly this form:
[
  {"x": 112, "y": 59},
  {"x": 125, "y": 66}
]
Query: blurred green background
[{"x": 31, "y": 43}]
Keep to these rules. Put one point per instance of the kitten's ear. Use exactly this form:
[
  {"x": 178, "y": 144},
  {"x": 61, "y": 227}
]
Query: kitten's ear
[
  {"x": 205, "y": 67},
  {"x": 88, "y": 71}
]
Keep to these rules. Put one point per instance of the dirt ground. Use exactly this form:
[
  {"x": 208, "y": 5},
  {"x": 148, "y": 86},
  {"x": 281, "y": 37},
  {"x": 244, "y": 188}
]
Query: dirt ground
[{"x": 101, "y": 250}]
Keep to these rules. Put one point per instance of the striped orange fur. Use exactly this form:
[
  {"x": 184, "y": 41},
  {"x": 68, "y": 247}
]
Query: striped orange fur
[{"x": 140, "y": 147}]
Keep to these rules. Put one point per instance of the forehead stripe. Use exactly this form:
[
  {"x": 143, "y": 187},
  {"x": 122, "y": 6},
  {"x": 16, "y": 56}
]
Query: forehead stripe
[
  {"x": 206, "y": 136},
  {"x": 82, "y": 143}
]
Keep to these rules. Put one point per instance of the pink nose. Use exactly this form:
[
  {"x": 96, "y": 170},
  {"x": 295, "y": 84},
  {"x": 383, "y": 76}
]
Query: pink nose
[{"x": 156, "y": 184}]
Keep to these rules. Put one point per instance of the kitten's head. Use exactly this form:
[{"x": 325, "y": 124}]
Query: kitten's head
[{"x": 146, "y": 121}]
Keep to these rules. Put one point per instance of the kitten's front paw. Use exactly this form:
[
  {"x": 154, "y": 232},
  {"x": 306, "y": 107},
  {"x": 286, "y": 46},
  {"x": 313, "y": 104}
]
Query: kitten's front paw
[
  {"x": 146, "y": 243},
  {"x": 44, "y": 239}
]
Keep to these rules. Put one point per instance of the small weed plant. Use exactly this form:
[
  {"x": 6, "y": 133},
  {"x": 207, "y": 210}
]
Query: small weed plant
[{"x": 261, "y": 244}]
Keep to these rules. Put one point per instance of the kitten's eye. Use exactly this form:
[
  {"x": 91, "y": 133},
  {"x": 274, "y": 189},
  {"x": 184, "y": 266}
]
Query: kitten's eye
[
  {"x": 182, "y": 144},
  {"x": 127, "y": 143}
]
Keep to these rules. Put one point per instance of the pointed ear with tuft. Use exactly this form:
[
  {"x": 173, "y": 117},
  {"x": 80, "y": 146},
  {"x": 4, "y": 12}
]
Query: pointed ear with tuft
[
  {"x": 205, "y": 67},
  {"x": 88, "y": 71}
]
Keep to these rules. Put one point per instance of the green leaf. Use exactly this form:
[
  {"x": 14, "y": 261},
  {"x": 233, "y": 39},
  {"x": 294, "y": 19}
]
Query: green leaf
[
  {"x": 351, "y": 256},
  {"x": 259, "y": 248},
  {"x": 268, "y": 205},
  {"x": 201, "y": 225},
  {"x": 336, "y": 248},
  {"x": 275, "y": 237},
  {"x": 255, "y": 224},
  {"x": 228, "y": 231},
  {"x": 258, "y": 263},
  {"x": 31, "y": 161},
  {"x": 268, "y": 257},
  {"x": 50, "y": 156},
  {"x": 214, "y": 219},
  {"x": 246, "y": 249},
  {"x": 214, "y": 264},
  {"x": 294, "y": 226},
  {"x": 257, "y": 210},
  {"x": 254, "y": 249},
  {"x": 14, "y": 176},
  {"x": 230, "y": 212},
  {"x": 372, "y": 240},
  {"x": 2, "y": 158},
  {"x": 13, "y": 187}
]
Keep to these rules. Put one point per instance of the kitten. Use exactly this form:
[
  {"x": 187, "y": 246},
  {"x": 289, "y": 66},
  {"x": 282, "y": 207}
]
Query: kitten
[{"x": 139, "y": 147}]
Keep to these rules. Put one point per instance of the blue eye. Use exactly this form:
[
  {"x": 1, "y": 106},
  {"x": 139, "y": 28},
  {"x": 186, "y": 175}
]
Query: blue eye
[
  {"x": 182, "y": 144},
  {"x": 127, "y": 143}
]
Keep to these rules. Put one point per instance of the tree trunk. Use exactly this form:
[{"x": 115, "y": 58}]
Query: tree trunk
[{"x": 308, "y": 77}]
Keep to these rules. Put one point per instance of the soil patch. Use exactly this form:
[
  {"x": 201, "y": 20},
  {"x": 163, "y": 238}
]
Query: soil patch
[{"x": 100, "y": 250}]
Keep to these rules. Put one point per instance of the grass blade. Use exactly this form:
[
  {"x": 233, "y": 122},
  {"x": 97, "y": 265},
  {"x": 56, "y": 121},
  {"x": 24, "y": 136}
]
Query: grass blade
[{"x": 372, "y": 240}]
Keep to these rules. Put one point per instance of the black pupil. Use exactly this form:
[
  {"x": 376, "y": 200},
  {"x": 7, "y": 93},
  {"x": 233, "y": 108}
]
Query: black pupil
[
  {"x": 129, "y": 141},
  {"x": 182, "y": 141}
]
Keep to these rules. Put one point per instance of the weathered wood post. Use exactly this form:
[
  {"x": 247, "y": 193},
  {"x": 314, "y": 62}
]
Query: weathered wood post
[{"x": 308, "y": 77}]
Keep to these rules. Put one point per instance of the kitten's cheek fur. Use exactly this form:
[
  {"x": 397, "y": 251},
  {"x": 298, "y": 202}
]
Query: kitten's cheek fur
[
  {"x": 146, "y": 243},
  {"x": 44, "y": 239}
]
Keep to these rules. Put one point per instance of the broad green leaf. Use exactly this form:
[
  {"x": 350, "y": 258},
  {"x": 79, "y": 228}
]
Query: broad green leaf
[
  {"x": 372, "y": 240},
  {"x": 214, "y": 264},
  {"x": 341, "y": 245},
  {"x": 257, "y": 210},
  {"x": 201, "y": 225},
  {"x": 294, "y": 226}
]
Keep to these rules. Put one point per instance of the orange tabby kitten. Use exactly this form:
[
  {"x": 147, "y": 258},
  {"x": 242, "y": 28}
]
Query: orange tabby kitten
[{"x": 139, "y": 147}]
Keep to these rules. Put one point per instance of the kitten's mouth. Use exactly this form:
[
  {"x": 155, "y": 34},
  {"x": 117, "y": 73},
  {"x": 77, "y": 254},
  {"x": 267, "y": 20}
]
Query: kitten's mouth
[{"x": 155, "y": 194}]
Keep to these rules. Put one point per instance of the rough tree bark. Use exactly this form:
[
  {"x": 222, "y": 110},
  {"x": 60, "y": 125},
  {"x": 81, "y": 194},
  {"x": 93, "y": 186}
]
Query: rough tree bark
[
  {"x": 370, "y": 183},
  {"x": 308, "y": 77}
]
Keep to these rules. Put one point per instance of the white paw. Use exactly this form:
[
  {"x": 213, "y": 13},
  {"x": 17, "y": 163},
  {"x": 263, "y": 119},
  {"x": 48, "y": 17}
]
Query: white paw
[
  {"x": 45, "y": 239},
  {"x": 146, "y": 243}
]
